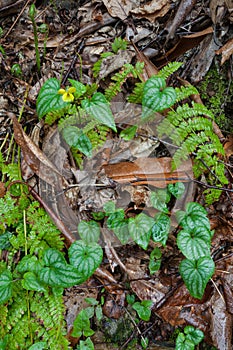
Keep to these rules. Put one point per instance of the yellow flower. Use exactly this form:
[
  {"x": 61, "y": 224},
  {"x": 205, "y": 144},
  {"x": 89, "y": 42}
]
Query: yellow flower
[{"x": 67, "y": 95}]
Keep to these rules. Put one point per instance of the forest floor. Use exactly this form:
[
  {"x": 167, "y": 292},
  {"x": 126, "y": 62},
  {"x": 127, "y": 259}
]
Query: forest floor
[{"x": 72, "y": 36}]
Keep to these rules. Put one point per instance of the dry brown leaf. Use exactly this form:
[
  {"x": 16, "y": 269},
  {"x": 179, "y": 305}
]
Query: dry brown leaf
[
  {"x": 226, "y": 51},
  {"x": 221, "y": 323},
  {"x": 120, "y": 8},
  {"x": 228, "y": 146},
  {"x": 152, "y": 10},
  {"x": 183, "y": 10},
  {"x": 153, "y": 171},
  {"x": 34, "y": 157}
]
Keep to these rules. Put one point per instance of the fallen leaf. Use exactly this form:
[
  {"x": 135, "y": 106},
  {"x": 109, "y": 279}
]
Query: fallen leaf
[
  {"x": 182, "y": 12},
  {"x": 226, "y": 51},
  {"x": 152, "y": 10},
  {"x": 153, "y": 171},
  {"x": 120, "y": 8}
]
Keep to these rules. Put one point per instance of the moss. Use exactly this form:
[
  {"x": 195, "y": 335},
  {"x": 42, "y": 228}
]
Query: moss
[{"x": 216, "y": 91}]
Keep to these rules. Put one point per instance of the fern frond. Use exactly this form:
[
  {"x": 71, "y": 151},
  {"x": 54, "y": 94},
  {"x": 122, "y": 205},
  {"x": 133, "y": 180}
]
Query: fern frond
[
  {"x": 136, "y": 96},
  {"x": 184, "y": 92},
  {"x": 119, "y": 79},
  {"x": 169, "y": 69}
]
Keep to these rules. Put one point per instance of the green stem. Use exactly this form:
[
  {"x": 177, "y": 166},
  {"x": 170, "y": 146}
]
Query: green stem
[{"x": 32, "y": 13}]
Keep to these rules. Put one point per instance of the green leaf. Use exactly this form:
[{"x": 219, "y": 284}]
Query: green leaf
[
  {"x": 29, "y": 263},
  {"x": 48, "y": 99},
  {"x": 98, "y": 107},
  {"x": 161, "y": 228},
  {"x": 140, "y": 229},
  {"x": 184, "y": 344},
  {"x": 195, "y": 215},
  {"x": 58, "y": 273},
  {"x": 143, "y": 309},
  {"x": 129, "y": 133},
  {"x": 99, "y": 312},
  {"x": 31, "y": 282},
  {"x": 91, "y": 301},
  {"x": 5, "y": 286},
  {"x": 3, "y": 343},
  {"x": 193, "y": 334},
  {"x": 82, "y": 325},
  {"x": 196, "y": 274},
  {"x": 176, "y": 189},
  {"x": 38, "y": 346},
  {"x": 194, "y": 243},
  {"x": 80, "y": 88},
  {"x": 75, "y": 138},
  {"x": 121, "y": 230},
  {"x": 84, "y": 145},
  {"x": 155, "y": 260},
  {"x": 4, "y": 240},
  {"x": 115, "y": 218},
  {"x": 52, "y": 257},
  {"x": 144, "y": 342},
  {"x": 119, "y": 44},
  {"x": 156, "y": 96},
  {"x": 86, "y": 344},
  {"x": 85, "y": 257},
  {"x": 89, "y": 231},
  {"x": 130, "y": 299},
  {"x": 109, "y": 207},
  {"x": 159, "y": 200},
  {"x": 61, "y": 276}
]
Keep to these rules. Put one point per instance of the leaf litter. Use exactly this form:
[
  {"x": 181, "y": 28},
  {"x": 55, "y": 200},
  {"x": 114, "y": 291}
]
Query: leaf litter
[{"x": 173, "y": 30}]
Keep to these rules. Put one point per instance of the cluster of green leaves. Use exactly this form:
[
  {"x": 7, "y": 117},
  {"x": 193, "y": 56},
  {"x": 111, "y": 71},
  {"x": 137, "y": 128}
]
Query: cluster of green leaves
[
  {"x": 82, "y": 326},
  {"x": 193, "y": 240},
  {"x": 35, "y": 273},
  {"x": 188, "y": 339},
  {"x": 188, "y": 126}
]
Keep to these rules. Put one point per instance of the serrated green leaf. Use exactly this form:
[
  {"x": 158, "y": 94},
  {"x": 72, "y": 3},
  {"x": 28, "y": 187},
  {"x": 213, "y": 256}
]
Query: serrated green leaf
[
  {"x": 195, "y": 215},
  {"x": 38, "y": 346},
  {"x": 140, "y": 229},
  {"x": 61, "y": 276},
  {"x": 159, "y": 200},
  {"x": 194, "y": 243},
  {"x": 156, "y": 96},
  {"x": 80, "y": 88},
  {"x": 143, "y": 309},
  {"x": 52, "y": 257},
  {"x": 196, "y": 274},
  {"x": 129, "y": 133},
  {"x": 29, "y": 263},
  {"x": 5, "y": 286},
  {"x": 71, "y": 135},
  {"x": 193, "y": 334},
  {"x": 155, "y": 260},
  {"x": 98, "y": 107},
  {"x": 161, "y": 228},
  {"x": 5, "y": 240},
  {"x": 176, "y": 189},
  {"x": 121, "y": 230},
  {"x": 82, "y": 325},
  {"x": 31, "y": 282},
  {"x": 86, "y": 344},
  {"x": 109, "y": 207},
  {"x": 89, "y": 231},
  {"x": 184, "y": 344},
  {"x": 86, "y": 258},
  {"x": 84, "y": 145},
  {"x": 48, "y": 99},
  {"x": 114, "y": 218},
  {"x": 75, "y": 138}
]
